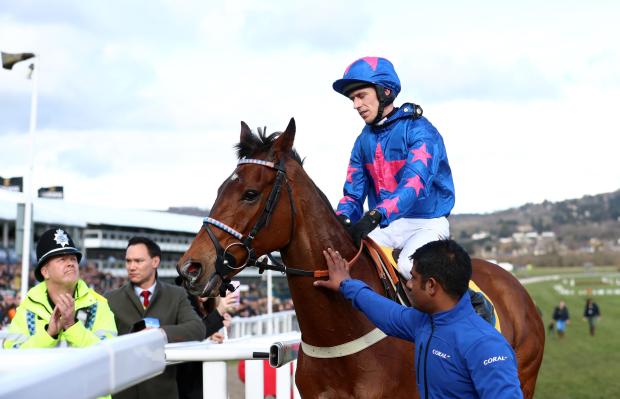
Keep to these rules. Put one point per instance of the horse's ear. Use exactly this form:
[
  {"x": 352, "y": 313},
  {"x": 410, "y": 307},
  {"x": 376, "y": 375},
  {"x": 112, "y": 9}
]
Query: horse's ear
[
  {"x": 284, "y": 142},
  {"x": 246, "y": 132}
]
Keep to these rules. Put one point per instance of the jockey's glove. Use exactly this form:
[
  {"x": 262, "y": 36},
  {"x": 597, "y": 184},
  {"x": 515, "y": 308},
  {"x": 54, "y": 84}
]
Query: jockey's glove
[
  {"x": 365, "y": 225},
  {"x": 344, "y": 220}
]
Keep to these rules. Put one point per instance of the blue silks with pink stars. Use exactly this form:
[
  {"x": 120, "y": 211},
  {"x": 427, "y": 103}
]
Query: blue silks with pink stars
[{"x": 402, "y": 167}]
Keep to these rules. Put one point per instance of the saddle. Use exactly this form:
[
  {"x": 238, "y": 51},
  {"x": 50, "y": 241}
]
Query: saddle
[
  {"x": 391, "y": 279},
  {"x": 394, "y": 283}
]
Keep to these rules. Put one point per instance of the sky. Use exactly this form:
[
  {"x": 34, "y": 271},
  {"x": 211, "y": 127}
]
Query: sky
[{"x": 140, "y": 102}]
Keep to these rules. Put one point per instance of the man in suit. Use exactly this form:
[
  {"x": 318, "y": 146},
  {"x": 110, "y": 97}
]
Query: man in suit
[{"x": 147, "y": 302}]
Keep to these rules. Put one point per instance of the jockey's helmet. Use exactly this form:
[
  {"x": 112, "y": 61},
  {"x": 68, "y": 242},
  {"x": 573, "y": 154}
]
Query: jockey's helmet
[{"x": 370, "y": 71}]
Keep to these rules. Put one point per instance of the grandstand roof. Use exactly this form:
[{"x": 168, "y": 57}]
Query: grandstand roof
[{"x": 65, "y": 213}]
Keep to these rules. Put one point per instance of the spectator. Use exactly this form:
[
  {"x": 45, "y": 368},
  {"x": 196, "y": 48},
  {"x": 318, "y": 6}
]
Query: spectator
[
  {"x": 592, "y": 314},
  {"x": 189, "y": 374},
  {"x": 61, "y": 309},
  {"x": 147, "y": 299},
  {"x": 561, "y": 318}
]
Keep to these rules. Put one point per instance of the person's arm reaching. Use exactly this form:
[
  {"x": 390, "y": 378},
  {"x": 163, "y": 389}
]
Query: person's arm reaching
[{"x": 390, "y": 317}]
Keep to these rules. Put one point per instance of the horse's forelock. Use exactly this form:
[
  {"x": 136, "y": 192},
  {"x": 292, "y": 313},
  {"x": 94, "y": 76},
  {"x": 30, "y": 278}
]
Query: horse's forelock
[{"x": 260, "y": 143}]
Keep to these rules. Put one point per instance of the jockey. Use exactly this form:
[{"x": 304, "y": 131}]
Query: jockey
[{"x": 400, "y": 163}]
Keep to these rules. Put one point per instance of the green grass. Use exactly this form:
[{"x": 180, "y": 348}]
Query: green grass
[{"x": 579, "y": 366}]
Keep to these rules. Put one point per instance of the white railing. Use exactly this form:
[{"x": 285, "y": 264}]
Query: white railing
[
  {"x": 267, "y": 324},
  {"x": 538, "y": 279},
  {"x": 279, "y": 349},
  {"x": 110, "y": 367},
  {"x": 78, "y": 373}
]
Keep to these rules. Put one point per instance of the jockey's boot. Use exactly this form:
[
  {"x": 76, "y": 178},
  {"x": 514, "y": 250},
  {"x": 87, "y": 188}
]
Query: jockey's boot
[{"x": 482, "y": 306}]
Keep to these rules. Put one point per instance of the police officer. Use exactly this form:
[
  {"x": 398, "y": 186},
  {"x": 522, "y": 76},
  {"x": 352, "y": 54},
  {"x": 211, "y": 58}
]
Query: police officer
[{"x": 61, "y": 310}]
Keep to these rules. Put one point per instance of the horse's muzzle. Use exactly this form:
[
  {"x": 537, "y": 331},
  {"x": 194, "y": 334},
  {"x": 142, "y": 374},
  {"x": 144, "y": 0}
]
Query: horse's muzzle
[{"x": 190, "y": 271}]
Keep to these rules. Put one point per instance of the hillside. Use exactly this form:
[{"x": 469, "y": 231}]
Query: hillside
[
  {"x": 570, "y": 232},
  {"x": 590, "y": 224}
]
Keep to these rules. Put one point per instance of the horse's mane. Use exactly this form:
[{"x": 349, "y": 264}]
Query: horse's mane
[
  {"x": 261, "y": 142},
  {"x": 258, "y": 143}
]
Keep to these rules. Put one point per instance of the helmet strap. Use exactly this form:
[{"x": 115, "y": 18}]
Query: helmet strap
[{"x": 384, "y": 100}]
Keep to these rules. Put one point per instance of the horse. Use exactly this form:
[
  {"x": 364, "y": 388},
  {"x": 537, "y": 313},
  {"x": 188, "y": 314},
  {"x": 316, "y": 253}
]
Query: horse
[{"x": 269, "y": 203}]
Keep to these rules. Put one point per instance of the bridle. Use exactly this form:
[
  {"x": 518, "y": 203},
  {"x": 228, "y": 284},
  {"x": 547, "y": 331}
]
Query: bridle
[{"x": 225, "y": 262}]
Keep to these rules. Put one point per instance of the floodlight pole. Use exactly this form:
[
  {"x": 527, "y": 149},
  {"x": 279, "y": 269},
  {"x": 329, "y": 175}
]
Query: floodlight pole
[{"x": 28, "y": 183}]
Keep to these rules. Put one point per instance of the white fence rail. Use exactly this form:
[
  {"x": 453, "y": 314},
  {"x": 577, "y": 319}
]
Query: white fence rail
[
  {"x": 279, "y": 349},
  {"x": 110, "y": 367},
  {"x": 98, "y": 370},
  {"x": 267, "y": 324}
]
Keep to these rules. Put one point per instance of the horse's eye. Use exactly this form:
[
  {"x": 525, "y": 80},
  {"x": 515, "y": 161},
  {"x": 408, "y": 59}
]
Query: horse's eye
[{"x": 250, "y": 195}]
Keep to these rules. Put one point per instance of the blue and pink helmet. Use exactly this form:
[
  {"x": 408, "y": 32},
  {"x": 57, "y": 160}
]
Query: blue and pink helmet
[{"x": 369, "y": 71}]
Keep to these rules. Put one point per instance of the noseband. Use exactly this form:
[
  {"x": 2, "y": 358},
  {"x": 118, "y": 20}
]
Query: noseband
[{"x": 225, "y": 262}]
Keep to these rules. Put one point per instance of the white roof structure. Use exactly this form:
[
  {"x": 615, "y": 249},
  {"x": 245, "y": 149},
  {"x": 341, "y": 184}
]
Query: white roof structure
[{"x": 62, "y": 212}]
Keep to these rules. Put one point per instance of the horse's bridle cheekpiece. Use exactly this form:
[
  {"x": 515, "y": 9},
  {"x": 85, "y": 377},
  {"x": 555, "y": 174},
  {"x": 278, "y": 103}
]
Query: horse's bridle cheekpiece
[{"x": 225, "y": 262}]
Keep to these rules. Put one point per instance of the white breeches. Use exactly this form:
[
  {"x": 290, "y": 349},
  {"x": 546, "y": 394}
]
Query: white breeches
[{"x": 409, "y": 235}]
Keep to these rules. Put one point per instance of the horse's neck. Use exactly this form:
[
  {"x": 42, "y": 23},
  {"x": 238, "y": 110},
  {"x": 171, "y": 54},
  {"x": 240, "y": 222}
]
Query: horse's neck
[{"x": 325, "y": 317}]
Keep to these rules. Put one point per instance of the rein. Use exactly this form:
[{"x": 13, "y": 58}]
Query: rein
[{"x": 225, "y": 262}]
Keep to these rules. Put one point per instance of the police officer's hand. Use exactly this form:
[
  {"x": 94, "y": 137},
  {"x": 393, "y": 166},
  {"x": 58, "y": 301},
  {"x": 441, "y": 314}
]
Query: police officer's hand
[
  {"x": 66, "y": 307},
  {"x": 338, "y": 270},
  {"x": 54, "y": 326},
  {"x": 365, "y": 225}
]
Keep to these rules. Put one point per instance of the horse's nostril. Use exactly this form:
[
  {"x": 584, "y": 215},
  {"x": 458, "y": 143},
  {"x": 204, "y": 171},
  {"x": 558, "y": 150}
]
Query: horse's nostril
[{"x": 192, "y": 269}]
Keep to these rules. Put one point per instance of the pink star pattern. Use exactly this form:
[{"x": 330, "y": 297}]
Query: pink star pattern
[
  {"x": 390, "y": 206},
  {"x": 383, "y": 171},
  {"x": 415, "y": 183},
  {"x": 372, "y": 61},
  {"x": 345, "y": 199},
  {"x": 421, "y": 154},
  {"x": 350, "y": 171}
]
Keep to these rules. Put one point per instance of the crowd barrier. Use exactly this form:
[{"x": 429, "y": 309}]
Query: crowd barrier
[
  {"x": 267, "y": 324},
  {"x": 90, "y": 372},
  {"x": 110, "y": 367},
  {"x": 280, "y": 349}
]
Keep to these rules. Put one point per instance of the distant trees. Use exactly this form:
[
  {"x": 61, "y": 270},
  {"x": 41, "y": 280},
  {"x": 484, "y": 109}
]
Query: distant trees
[{"x": 583, "y": 230}]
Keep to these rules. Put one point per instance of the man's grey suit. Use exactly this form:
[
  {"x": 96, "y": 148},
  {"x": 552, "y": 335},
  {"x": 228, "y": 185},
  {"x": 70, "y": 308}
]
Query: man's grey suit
[{"x": 177, "y": 318}]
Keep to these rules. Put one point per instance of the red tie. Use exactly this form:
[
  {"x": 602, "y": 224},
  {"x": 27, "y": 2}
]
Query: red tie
[{"x": 145, "y": 295}]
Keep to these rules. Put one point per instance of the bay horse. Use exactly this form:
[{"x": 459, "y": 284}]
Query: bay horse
[{"x": 268, "y": 204}]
